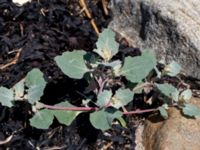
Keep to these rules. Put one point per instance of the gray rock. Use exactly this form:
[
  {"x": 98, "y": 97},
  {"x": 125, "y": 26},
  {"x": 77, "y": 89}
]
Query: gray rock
[
  {"x": 175, "y": 133},
  {"x": 171, "y": 28}
]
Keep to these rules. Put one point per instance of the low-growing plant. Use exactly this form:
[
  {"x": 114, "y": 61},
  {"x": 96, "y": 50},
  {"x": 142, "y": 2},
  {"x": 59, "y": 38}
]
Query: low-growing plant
[{"x": 116, "y": 80}]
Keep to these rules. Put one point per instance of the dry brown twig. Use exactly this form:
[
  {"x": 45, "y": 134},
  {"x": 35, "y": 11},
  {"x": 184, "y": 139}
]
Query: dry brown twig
[
  {"x": 88, "y": 14},
  {"x": 105, "y": 4},
  {"x": 7, "y": 140},
  {"x": 14, "y": 61}
]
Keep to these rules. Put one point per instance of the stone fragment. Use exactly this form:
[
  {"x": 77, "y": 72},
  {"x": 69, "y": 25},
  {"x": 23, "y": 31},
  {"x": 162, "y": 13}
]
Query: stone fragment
[
  {"x": 170, "y": 27},
  {"x": 175, "y": 133}
]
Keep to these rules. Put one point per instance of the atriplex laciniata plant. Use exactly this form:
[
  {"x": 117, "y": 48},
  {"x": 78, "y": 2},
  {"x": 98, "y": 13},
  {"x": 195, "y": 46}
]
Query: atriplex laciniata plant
[{"x": 103, "y": 69}]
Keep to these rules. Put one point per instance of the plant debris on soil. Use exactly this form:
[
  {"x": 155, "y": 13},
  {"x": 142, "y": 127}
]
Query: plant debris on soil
[{"x": 30, "y": 37}]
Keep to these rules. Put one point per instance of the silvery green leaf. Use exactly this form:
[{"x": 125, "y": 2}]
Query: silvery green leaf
[
  {"x": 166, "y": 89},
  {"x": 103, "y": 98},
  {"x": 172, "y": 69},
  {"x": 63, "y": 116},
  {"x": 122, "y": 98},
  {"x": 163, "y": 112},
  {"x": 103, "y": 119},
  {"x": 117, "y": 70},
  {"x": 113, "y": 114},
  {"x": 99, "y": 120},
  {"x": 42, "y": 119},
  {"x": 175, "y": 95},
  {"x": 186, "y": 95},
  {"x": 36, "y": 84},
  {"x": 72, "y": 64},
  {"x": 34, "y": 77},
  {"x": 116, "y": 67},
  {"x": 19, "y": 90},
  {"x": 107, "y": 47},
  {"x": 137, "y": 68},
  {"x": 35, "y": 93},
  {"x": 165, "y": 106},
  {"x": 191, "y": 110},
  {"x": 122, "y": 122},
  {"x": 6, "y": 97},
  {"x": 112, "y": 64}
]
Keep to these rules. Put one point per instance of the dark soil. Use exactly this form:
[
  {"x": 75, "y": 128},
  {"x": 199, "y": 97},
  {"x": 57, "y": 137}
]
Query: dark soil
[{"x": 42, "y": 30}]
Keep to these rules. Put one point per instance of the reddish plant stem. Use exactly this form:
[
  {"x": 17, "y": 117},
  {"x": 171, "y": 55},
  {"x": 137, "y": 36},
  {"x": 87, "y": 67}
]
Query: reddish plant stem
[
  {"x": 71, "y": 108},
  {"x": 96, "y": 109},
  {"x": 101, "y": 84},
  {"x": 139, "y": 111}
]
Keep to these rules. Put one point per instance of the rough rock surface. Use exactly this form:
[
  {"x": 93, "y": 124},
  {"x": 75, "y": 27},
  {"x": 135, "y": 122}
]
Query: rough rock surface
[
  {"x": 175, "y": 133},
  {"x": 170, "y": 27}
]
